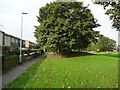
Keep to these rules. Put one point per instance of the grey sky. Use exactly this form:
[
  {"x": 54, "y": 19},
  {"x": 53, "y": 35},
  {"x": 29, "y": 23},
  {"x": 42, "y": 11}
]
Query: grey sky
[{"x": 10, "y": 17}]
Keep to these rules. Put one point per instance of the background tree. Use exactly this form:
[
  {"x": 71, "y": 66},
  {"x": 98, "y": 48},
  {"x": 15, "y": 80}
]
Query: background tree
[
  {"x": 65, "y": 26},
  {"x": 113, "y": 12},
  {"x": 103, "y": 44}
]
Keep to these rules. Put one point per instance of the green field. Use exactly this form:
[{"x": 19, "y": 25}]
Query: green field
[{"x": 99, "y": 70}]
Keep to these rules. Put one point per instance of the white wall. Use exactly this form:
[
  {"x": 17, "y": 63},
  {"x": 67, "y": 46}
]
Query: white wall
[
  {"x": 7, "y": 40},
  {"x": 1, "y": 38}
]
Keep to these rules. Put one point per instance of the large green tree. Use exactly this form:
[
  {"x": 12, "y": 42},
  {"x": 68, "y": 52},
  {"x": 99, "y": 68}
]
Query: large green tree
[
  {"x": 65, "y": 26},
  {"x": 113, "y": 11},
  {"x": 103, "y": 44}
]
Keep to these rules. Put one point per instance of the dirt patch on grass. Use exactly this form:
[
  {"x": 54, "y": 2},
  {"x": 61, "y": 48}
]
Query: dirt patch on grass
[
  {"x": 55, "y": 56},
  {"x": 68, "y": 55}
]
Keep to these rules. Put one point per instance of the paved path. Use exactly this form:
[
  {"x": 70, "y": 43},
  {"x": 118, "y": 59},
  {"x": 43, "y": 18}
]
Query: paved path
[{"x": 13, "y": 73}]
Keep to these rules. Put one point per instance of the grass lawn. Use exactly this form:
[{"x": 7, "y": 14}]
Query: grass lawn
[{"x": 91, "y": 71}]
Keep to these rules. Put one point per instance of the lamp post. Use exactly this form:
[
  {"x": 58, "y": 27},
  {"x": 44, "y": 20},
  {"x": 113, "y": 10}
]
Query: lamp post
[{"x": 20, "y": 56}]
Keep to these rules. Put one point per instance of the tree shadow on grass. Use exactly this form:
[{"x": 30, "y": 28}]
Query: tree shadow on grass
[
  {"x": 21, "y": 81},
  {"x": 76, "y": 54},
  {"x": 117, "y": 55}
]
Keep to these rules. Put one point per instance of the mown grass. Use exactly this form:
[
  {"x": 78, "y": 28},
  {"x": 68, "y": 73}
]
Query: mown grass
[
  {"x": 92, "y": 71},
  {"x": 110, "y": 54}
]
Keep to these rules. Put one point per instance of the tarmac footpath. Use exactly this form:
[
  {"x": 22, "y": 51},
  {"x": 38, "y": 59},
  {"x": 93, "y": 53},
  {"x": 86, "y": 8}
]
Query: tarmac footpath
[{"x": 13, "y": 73}]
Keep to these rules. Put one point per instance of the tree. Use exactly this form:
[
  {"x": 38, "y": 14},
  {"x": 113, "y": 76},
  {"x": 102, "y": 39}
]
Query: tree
[
  {"x": 65, "y": 26},
  {"x": 103, "y": 44},
  {"x": 113, "y": 12}
]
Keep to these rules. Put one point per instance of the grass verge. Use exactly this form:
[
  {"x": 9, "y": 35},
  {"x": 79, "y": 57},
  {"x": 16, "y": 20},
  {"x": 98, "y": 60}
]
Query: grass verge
[{"x": 91, "y": 71}]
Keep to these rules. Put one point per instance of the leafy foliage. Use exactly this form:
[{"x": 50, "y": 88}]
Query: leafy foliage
[
  {"x": 65, "y": 26},
  {"x": 103, "y": 44},
  {"x": 113, "y": 12}
]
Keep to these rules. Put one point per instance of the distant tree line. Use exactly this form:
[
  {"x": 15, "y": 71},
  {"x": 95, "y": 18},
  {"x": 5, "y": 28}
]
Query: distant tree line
[{"x": 103, "y": 44}]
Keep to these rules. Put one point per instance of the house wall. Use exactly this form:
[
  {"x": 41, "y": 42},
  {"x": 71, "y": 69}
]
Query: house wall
[
  {"x": 7, "y": 40},
  {"x": 1, "y": 38},
  {"x": 27, "y": 43},
  {"x": 1, "y": 42},
  {"x": 23, "y": 43},
  {"x": 10, "y": 42},
  {"x": 14, "y": 42}
]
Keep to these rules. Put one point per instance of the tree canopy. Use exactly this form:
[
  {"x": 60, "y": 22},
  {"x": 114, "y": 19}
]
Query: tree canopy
[
  {"x": 113, "y": 12},
  {"x": 65, "y": 26},
  {"x": 103, "y": 44}
]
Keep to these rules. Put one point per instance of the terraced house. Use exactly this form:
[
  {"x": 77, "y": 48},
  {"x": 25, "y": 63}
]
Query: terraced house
[
  {"x": 9, "y": 43},
  {"x": 9, "y": 50}
]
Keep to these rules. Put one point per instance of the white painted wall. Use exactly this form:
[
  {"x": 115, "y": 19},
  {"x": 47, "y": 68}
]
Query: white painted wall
[
  {"x": 7, "y": 40},
  {"x": 1, "y": 38}
]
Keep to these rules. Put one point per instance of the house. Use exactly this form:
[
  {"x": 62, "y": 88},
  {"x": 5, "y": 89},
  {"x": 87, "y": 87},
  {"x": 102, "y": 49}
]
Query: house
[
  {"x": 1, "y": 41},
  {"x": 9, "y": 43}
]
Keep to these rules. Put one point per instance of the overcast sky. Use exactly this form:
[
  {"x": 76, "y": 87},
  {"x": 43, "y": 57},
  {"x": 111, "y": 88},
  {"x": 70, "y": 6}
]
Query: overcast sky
[{"x": 10, "y": 18}]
